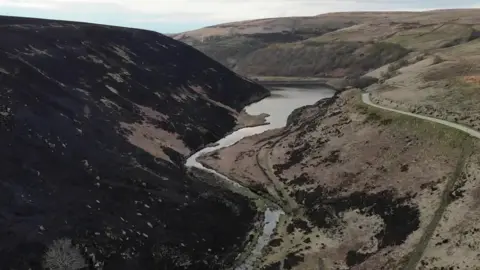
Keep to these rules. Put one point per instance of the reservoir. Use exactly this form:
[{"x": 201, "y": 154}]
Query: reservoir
[{"x": 278, "y": 106}]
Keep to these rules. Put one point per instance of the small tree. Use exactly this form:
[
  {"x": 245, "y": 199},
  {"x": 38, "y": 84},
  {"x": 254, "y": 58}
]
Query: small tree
[
  {"x": 387, "y": 75},
  {"x": 397, "y": 65},
  {"x": 62, "y": 255},
  {"x": 391, "y": 68},
  {"x": 401, "y": 63},
  {"x": 362, "y": 82}
]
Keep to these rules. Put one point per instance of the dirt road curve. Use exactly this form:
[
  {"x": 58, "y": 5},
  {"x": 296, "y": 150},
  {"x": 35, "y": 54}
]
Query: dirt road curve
[{"x": 471, "y": 132}]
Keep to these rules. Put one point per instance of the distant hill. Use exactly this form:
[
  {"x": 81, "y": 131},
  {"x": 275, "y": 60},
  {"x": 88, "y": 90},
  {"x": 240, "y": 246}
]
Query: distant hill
[
  {"x": 95, "y": 125},
  {"x": 334, "y": 44}
]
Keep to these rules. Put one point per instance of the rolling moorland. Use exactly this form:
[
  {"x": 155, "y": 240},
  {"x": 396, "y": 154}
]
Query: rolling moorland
[
  {"x": 363, "y": 188},
  {"x": 331, "y": 45},
  {"x": 96, "y": 123},
  {"x": 424, "y": 62}
]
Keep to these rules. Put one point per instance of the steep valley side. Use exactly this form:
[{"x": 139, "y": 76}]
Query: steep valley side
[
  {"x": 365, "y": 184},
  {"x": 364, "y": 188},
  {"x": 95, "y": 125}
]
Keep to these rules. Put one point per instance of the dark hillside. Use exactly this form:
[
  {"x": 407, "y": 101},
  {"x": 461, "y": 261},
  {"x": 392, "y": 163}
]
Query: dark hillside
[{"x": 95, "y": 124}]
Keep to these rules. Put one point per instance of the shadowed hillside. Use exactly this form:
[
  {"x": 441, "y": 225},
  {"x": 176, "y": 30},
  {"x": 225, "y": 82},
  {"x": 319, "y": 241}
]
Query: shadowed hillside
[{"x": 95, "y": 125}]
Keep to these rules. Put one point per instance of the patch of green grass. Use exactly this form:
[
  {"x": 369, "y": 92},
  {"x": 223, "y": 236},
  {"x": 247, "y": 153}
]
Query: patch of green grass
[
  {"x": 434, "y": 132},
  {"x": 437, "y": 133},
  {"x": 386, "y": 47},
  {"x": 460, "y": 96},
  {"x": 431, "y": 37}
]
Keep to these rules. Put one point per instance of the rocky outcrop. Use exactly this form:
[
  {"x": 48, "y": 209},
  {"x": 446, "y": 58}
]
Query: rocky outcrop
[{"x": 95, "y": 124}]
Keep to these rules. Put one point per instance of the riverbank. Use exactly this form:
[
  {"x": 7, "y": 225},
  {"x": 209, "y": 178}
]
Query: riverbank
[
  {"x": 345, "y": 164},
  {"x": 245, "y": 120},
  {"x": 278, "y": 109}
]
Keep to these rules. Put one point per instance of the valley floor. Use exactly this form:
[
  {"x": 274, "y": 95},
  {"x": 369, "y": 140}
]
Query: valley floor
[{"x": 364, "y": 188}]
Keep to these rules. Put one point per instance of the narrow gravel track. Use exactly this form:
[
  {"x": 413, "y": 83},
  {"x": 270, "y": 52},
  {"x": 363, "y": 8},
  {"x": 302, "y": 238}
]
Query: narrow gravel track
[{"x": 471, "y": 132}]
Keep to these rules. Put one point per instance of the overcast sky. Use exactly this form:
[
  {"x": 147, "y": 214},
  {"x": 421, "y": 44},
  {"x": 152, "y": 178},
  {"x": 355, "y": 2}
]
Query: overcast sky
[{"x": 173, "y": 16}]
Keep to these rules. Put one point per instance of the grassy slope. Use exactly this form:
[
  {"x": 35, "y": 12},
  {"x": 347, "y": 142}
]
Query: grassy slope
[
  {"x": 304, "y": 46},
  {"x": 369, "y": 165},
  {"x": 446, "y": 88}
]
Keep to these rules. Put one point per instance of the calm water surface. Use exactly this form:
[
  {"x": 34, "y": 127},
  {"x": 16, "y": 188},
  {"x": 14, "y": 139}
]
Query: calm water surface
[{"x": 279, "y": 106}]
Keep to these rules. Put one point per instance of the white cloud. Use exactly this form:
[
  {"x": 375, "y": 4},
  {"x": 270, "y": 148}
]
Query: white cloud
[
  {"x": 220, "y": 9},
  {"x": 213, "y": 9},
  {"x": 138, "y": 12},
  {"x": 246, "y": 9},
  {"x": 27, "y": 4}
]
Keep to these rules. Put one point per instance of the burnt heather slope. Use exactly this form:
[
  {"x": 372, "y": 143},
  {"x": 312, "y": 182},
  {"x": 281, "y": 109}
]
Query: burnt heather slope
[{"x": 95, "y": 124}]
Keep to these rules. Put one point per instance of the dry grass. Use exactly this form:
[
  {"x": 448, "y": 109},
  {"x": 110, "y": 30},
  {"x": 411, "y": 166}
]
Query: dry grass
[
  {"x": 467, "y": 51},
  {"x": 315, "y": 46},
  {"x": 431, "y": 37},
  {"x": 373, "y": 148},
  {"x": 371, "y": 145},
  {"x": 446, "y": 90},
  {"x": 456, "y": 240},
  {"x": 336, "y": 20},
  {"x": 357, "y": 33}
]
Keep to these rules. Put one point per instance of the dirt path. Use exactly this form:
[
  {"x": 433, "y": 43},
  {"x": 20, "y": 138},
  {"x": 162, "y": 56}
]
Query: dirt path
[
  {"x": 264, "y": 162},
  {"x": 416, "y": 255},
  {"x": 471, "y": 132}
]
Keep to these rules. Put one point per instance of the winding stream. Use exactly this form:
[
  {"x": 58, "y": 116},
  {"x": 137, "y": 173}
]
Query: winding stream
[{"x": 278, "y": 106}]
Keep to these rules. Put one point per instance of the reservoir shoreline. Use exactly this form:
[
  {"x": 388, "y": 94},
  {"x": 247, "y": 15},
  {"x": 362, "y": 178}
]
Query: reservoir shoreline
[{"x": 278, "y": 106}]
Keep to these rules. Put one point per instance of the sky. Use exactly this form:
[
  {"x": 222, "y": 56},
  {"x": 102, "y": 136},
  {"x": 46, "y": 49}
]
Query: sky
[{"x": 174, "y": 16}]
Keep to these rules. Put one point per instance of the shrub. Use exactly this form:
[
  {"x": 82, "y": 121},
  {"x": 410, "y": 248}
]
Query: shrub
[
  {"x": 403, "y": 62},
  {"x": 391, "y": 68},
  {"x": 397, "y": 65},
  {"x": 389, "y": 74},
  {"x": 437, "y": 60},
  {"x": 62, "y": 255},
  {"x": 419, "y": 58},
  {"x": 362, "y": 82}
]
